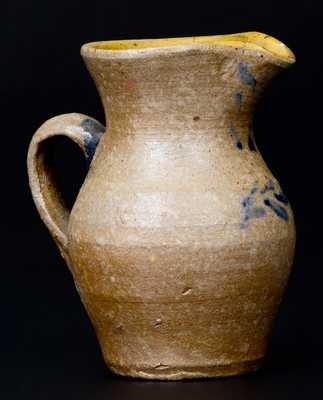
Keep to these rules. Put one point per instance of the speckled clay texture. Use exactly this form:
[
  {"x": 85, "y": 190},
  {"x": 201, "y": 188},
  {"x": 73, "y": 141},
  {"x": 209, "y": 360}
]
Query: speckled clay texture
[{"x": 181, "y": 240}]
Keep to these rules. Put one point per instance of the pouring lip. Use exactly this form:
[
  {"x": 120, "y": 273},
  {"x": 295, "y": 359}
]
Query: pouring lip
[{"x": 138, "y": 48}]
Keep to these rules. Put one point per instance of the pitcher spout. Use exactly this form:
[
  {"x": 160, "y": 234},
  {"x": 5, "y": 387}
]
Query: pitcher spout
[{"x": 258, "y": 41}]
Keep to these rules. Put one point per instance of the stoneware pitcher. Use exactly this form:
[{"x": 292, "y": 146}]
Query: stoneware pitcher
[{"x": 181, "y": 240}]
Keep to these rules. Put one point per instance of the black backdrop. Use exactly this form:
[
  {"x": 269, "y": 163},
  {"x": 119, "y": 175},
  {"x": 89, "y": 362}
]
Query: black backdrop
[{"x": 48, "y": 347}]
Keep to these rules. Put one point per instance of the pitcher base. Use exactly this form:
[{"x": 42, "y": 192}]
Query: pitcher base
[{"x": 164, "y": 372}]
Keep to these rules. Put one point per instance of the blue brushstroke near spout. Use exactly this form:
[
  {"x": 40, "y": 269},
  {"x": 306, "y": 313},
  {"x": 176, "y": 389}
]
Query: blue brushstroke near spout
[
  {"x": 278, "y": 210},
  {"x": 251, "y": 211},
  {"x": 246, "y": 76},
  {"x": 238, "y": 100},
  {"x": 281, "y": 197}
]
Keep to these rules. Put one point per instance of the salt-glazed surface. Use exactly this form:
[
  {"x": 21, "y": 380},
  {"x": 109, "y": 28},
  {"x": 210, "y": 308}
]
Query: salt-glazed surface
[{"x": 181, "y": 240}]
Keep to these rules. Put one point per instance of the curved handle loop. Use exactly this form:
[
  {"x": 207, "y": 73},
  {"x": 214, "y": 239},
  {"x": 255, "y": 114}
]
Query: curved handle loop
[{"x": 86, "y": 133}]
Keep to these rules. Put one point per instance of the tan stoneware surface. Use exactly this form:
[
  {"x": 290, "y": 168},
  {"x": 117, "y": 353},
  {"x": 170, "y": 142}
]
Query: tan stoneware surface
[{"x": 181, "y": 240}]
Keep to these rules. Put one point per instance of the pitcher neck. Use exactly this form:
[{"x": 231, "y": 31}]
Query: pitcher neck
[{"x": 183, "y": 87}]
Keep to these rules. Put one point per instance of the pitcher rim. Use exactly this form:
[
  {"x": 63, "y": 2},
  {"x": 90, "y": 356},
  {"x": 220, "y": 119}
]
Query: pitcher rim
[{"x": 136, "y": 48}]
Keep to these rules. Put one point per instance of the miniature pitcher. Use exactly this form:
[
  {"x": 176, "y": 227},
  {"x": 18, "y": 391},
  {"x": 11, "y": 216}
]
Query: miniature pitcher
[{"x": 180, "y": 241}]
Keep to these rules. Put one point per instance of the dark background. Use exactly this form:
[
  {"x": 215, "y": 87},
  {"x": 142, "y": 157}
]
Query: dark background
[{"x": 48, "y": 347}]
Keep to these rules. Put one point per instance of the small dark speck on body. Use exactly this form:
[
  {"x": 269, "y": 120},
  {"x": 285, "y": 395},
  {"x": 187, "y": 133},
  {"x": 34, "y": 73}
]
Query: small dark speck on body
[
  {"x": 197, "y": 118},
  {"x": 236, "y": 137}
]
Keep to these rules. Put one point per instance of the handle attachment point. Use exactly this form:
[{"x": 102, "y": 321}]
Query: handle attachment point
[{"x": 86, "y": 132}]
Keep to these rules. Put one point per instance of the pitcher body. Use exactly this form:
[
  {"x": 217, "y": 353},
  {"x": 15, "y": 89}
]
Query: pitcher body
[{"x": 180, "y": 241}]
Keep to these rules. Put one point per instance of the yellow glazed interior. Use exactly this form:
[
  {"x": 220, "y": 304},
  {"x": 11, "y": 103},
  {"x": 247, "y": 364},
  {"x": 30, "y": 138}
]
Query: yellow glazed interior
[{"x": 250, "y": 40}]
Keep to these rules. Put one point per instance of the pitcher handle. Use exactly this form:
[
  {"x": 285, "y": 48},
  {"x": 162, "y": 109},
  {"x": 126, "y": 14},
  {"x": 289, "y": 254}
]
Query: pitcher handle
[{"x": 86, "y": 133}]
